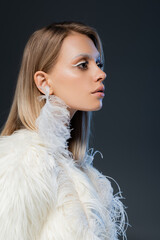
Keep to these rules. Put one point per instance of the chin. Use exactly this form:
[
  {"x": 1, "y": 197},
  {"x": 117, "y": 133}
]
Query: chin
[
  {"x": 98, "y": 107},
  {"x": 91, "y": 106}
]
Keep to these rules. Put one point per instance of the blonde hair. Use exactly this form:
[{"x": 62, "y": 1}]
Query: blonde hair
[{"x": 40, "y": 54}]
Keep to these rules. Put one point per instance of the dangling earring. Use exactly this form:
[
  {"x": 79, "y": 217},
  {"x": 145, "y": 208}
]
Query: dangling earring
[{"x": 46, "y": 91}]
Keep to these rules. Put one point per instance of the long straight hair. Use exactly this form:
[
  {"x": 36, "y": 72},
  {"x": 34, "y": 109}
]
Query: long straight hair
[{"x": 38, "y": 56}]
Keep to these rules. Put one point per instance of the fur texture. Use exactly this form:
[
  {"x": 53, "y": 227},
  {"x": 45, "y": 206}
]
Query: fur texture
[{"x": 45, "y": 194}]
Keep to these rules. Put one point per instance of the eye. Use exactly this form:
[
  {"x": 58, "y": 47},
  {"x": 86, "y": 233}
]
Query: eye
[
  {"x": 83, "y": 65},
  {"x": 100, "y": 65}
]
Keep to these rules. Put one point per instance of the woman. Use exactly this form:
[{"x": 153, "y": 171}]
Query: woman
[{"x": 49, "y": 189}]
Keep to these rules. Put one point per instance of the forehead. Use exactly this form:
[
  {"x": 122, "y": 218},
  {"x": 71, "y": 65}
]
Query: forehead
[{"x": 76, "y": 44}]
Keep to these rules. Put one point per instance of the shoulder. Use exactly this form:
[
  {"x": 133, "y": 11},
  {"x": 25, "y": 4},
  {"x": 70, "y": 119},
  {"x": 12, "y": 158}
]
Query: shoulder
[
  {"x": 24, "y": 157},
  {"x": 19, "y": 140},
  {"x": 19, "y": 145},
  {"x": 24, "y": 154}
]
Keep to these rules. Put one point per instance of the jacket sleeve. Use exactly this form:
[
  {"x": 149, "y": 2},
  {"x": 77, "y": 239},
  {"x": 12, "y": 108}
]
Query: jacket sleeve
[{"x": 25, "y": 193}]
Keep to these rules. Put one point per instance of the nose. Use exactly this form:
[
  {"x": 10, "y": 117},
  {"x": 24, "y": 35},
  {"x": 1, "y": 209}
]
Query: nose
[{"x": 101, "y": 75}]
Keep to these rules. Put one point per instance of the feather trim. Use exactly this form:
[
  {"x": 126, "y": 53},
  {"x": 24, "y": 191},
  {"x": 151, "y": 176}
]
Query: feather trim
[
  {"x": 53, "y": 124},
  {"x": 116, "y": 209}
]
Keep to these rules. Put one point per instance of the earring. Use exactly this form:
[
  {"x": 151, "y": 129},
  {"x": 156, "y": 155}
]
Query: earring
[{"x": 46, "y": 91}]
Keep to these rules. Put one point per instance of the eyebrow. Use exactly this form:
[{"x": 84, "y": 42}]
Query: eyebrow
[{"x": 86, "y": 55}]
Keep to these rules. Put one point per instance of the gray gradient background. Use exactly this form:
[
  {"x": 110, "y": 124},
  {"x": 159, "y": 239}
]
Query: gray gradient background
[{"x": 126, "y": 130}]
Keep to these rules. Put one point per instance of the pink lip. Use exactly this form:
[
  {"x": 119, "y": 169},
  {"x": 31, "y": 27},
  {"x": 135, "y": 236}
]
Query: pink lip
[
  {"x": 100, "y": 94},
  {"x": 100, "y": 88}
]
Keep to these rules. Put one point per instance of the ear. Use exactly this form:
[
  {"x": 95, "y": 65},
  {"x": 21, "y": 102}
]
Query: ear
[{"x": 41, "y": 80}]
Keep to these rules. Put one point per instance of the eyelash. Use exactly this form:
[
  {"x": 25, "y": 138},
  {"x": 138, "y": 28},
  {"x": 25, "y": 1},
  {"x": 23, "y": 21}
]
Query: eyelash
[{"x": 86, "y": 62}]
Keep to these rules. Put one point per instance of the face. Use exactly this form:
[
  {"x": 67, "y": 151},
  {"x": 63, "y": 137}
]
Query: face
[{"x": 75, "y": 77}]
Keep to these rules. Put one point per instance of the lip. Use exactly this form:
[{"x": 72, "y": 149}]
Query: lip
[
  {"x": 101, "y": 88},
  {"x": 99, "y": 94}
]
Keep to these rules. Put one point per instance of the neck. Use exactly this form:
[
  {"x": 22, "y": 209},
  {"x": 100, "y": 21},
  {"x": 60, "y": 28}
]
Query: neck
[{"x": 72, "y": 112}]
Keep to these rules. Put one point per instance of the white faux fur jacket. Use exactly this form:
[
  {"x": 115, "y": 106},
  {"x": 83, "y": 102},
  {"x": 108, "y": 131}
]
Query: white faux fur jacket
[{"x": 45, "y": 194}]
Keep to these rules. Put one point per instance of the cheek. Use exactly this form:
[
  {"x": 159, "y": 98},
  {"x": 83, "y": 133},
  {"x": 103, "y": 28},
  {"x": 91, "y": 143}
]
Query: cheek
[
  {"x": 73, "y": 87},
  {"x": 69, "y": 82}
]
